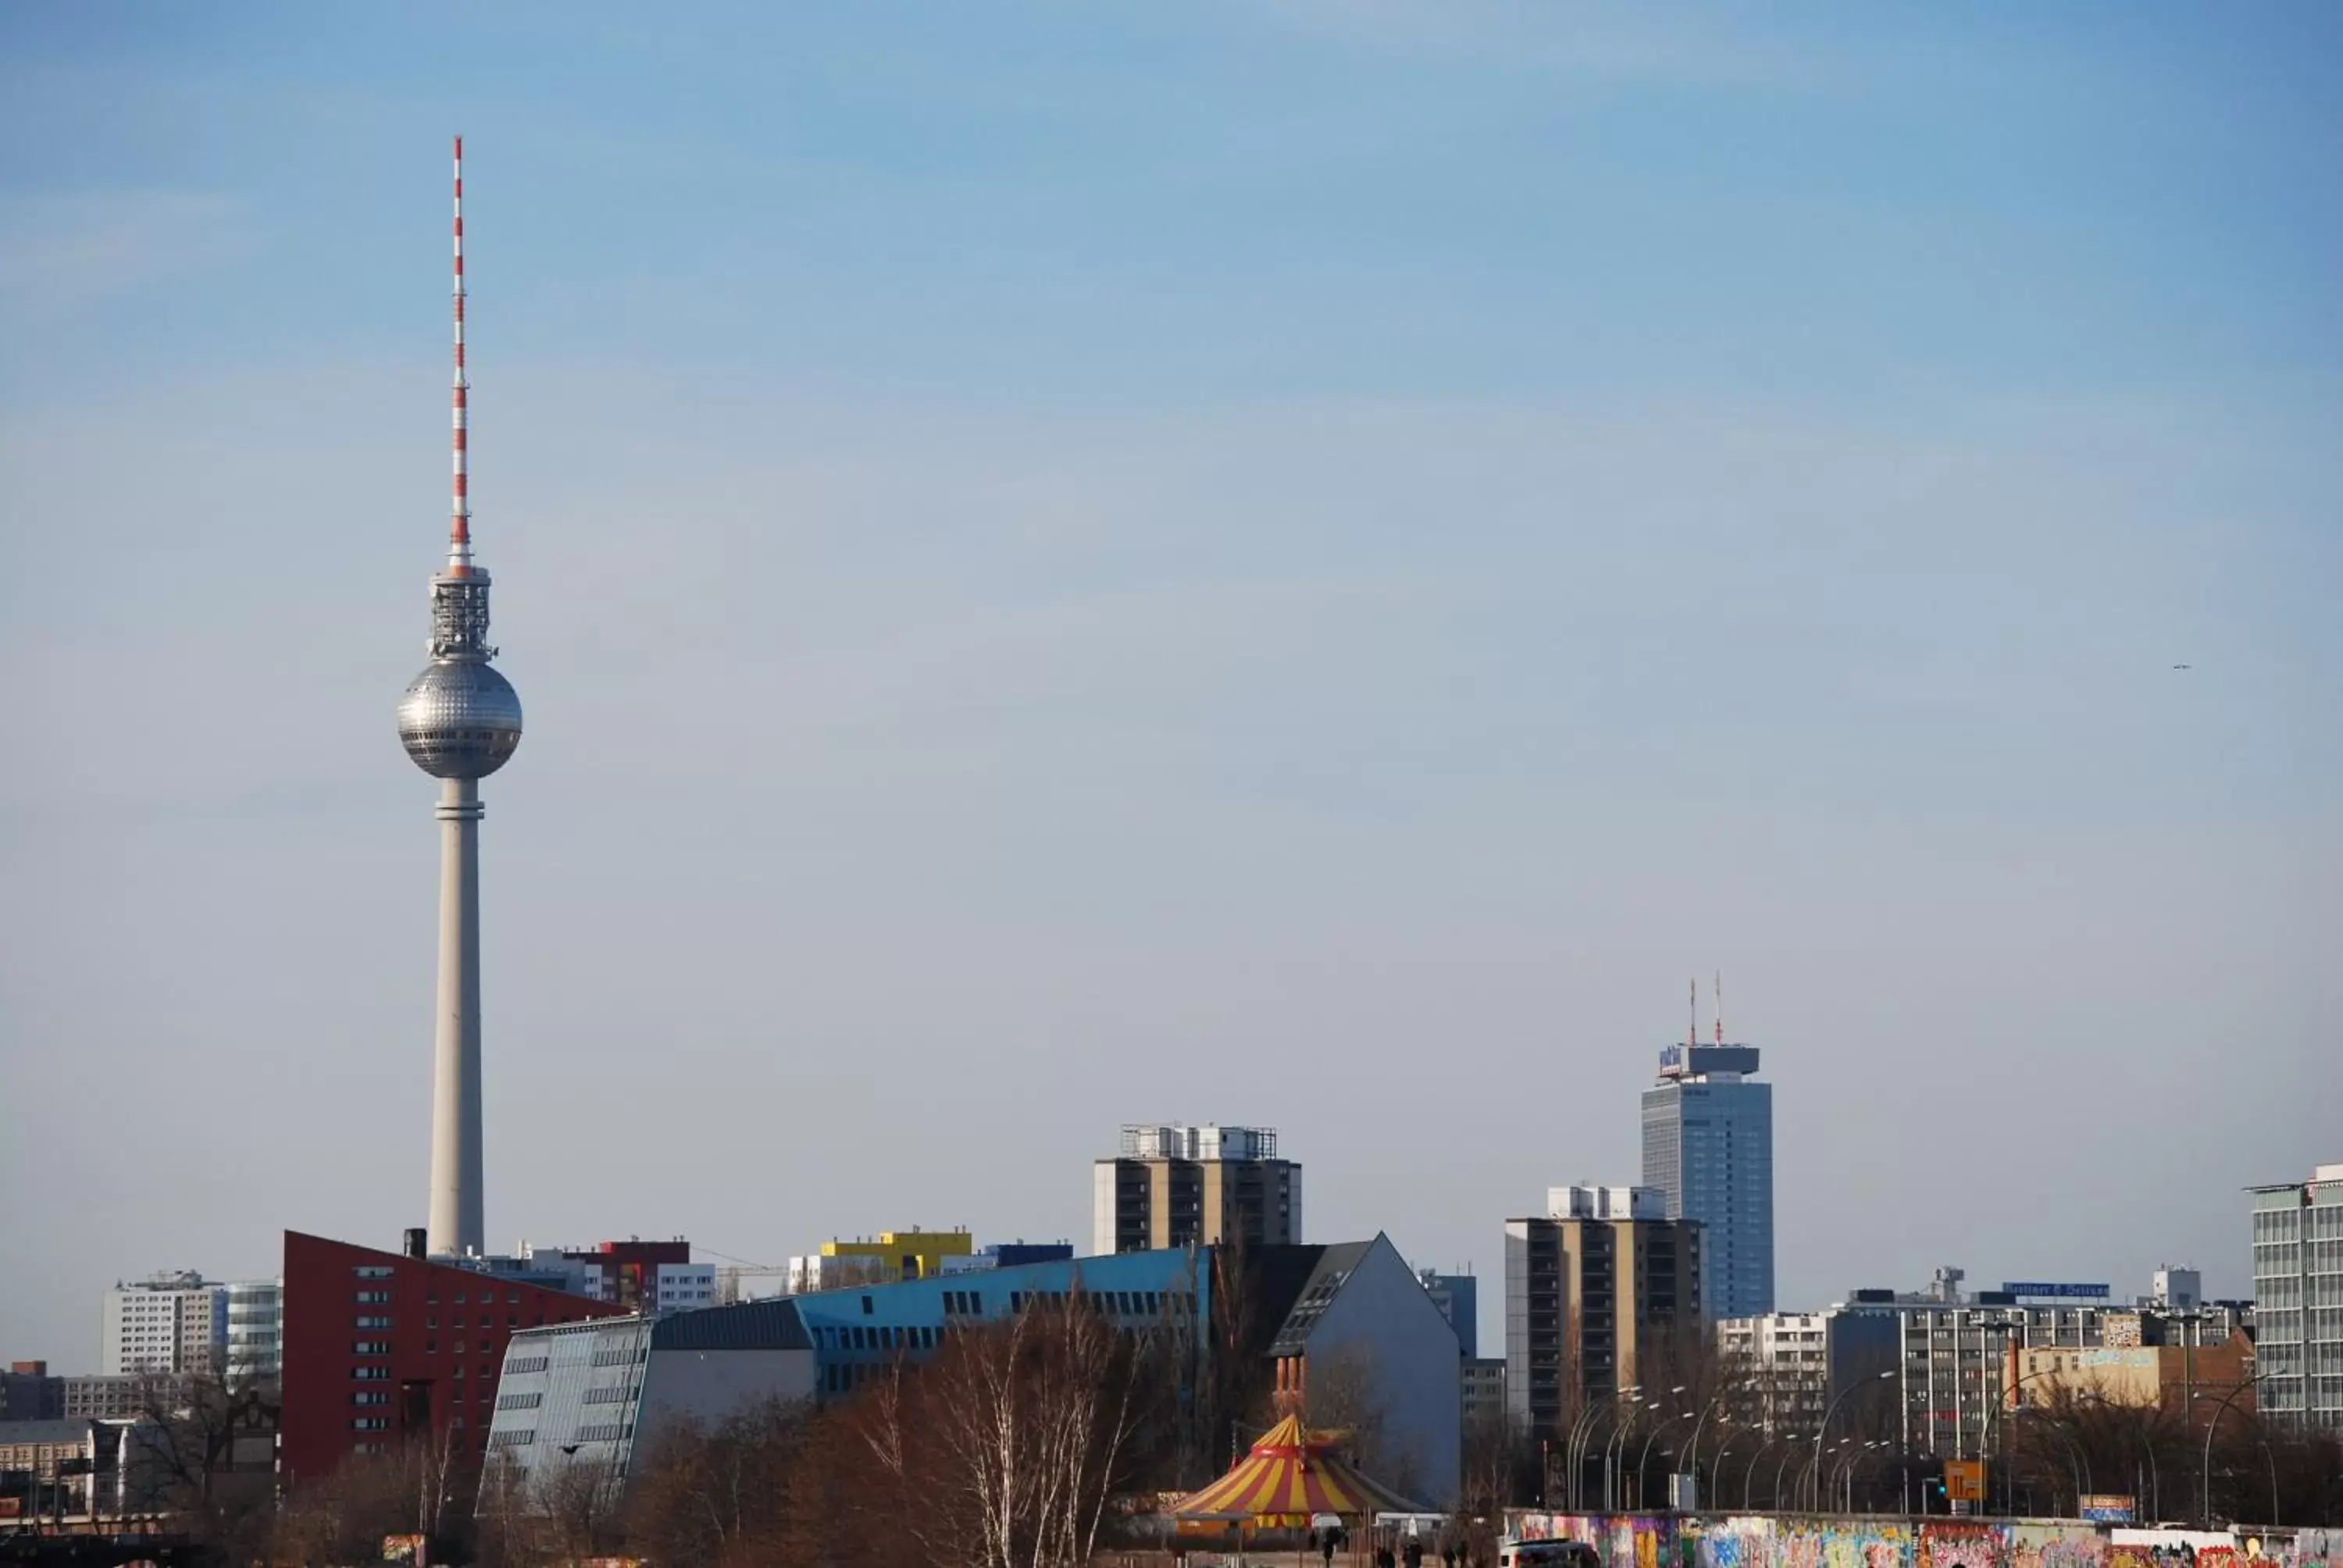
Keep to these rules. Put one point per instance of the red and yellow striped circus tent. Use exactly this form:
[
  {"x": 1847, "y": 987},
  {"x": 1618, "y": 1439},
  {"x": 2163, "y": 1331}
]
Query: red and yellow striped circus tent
[{"x": 1289, "y": 1476}]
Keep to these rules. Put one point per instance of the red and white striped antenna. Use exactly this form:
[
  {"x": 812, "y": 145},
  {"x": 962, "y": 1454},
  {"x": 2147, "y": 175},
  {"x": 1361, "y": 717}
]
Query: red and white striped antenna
[
  {"x": 1691, "y": 1007},
  {"x": 1719, "y": 995},
  {"x": 459, "y": 520}
]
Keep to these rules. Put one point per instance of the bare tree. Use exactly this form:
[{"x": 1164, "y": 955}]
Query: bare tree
[
  {"x": 1002, "y": 1452},
  {"x": 1342, "y": 1393}
]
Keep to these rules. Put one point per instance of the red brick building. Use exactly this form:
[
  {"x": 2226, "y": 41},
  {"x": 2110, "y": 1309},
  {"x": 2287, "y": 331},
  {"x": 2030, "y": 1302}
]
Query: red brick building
[{"x": 381, "y": 1348}]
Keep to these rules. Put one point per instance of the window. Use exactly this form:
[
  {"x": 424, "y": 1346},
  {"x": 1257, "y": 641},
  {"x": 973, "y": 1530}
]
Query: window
[
  {"x": 371, "y": 1348},
  {"x": 371, "y": 1396},
  {"x": 366, "y": 1296},
  {"x": 371, "y": 1424},
  {"x": 512, "y": 1439},
  {"x": 867, "y": 1308},
  {"x": 370, "y": 1374},
  {"x": 520, "y": 1400},
  {"x": 374, "y": 1271},
  {"x": 371, "y": 1322}
]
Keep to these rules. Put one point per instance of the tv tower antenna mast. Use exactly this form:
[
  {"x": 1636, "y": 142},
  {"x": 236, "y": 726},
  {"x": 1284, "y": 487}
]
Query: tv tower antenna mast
[{"x": 459, "y": 721}]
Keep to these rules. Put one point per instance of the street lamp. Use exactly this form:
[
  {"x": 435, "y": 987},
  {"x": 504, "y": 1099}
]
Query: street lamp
[
  {"x": 1575, "y": 1449},
  {"x": 1618, "y": 1461},
  {"x": 1832, "y": 1411},
  {"x": 2205, "y": 1471},
  {"x": 1615, "y": 1453},
  {"x": 2078, "y": 1466},
  {"x": 1691, "y": 1465},
  {"x": 1645, "y": 1458}
]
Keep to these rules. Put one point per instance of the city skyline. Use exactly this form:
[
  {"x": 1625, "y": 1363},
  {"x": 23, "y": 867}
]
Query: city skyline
[{"x": 1333, "y": 590}]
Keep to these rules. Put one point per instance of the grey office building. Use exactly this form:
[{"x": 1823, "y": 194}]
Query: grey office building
[
  {"x": 2298, "y": 1298},
  {"x": 1708, "y": 1145}
]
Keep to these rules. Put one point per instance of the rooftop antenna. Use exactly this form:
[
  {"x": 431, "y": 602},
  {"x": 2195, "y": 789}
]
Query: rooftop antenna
[
  {"x": 459, "y": 519},
  {"x": 1691, "y": 1023},
  {"x": 1719, "y": 994}
]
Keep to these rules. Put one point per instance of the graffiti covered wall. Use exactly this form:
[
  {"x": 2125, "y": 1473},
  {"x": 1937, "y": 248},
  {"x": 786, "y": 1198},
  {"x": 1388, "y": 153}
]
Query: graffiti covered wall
[{"x": 1789, "y": 1541}]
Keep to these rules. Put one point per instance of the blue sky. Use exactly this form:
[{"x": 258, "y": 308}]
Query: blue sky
[{"x": 1299, "y": 563}]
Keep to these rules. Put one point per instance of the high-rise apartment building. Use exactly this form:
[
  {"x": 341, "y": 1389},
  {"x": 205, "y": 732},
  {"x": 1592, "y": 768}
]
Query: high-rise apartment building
[
  {"x": 2298, "y": 1298},
  {"x": 1708, "y": 1145},
  {"x": 169, "y": 1322},
  {"x": 1599, "y": 1291},
  {"x": 1180, "y": 1186}
]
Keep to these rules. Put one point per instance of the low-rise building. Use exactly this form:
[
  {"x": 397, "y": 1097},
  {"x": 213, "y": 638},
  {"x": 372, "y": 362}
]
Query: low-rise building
[
  {"x": 1352, "y": 1321},
  {"x": 59, "y": 1460},
  {"x": 1483, "y": 1389},
  {"x": 28, "y": 1392},
  {"x": 891, "y": 1256},
  {"x": 1785, "y": 1368},
  {"x": 1953, "y": 1348},
  {"x": 2150, "y": 1376}
]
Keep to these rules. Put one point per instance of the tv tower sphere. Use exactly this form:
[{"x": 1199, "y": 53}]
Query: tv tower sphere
[{"x": 459, "y": 719}]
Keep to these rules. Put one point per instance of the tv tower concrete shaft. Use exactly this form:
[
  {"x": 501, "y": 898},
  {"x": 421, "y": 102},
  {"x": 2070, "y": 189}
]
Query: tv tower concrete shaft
[{"x": 456, "y": 1221}]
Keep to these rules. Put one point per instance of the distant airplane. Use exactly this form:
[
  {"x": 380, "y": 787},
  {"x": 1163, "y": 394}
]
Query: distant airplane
[{"x": 2184, "y": 667}]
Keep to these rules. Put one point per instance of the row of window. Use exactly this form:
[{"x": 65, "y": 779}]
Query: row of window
[{"x": 877, "y": 1336}]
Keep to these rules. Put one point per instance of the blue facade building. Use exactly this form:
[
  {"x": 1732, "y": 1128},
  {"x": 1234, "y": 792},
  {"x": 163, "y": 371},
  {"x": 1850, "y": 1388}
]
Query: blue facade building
[
  {"x": 597, "y": 1393},
  {"x": 1708, "y": 1144},
  {"x": 855, "y": 1331}
]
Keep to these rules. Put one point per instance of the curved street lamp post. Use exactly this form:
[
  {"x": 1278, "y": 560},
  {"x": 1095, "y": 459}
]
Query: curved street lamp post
[
  {"x": 2205, "y": 1471},
  {"x": 1832, "y": 1411}
]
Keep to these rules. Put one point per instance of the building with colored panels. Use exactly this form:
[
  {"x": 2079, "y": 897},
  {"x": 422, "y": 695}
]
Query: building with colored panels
[
  {"x": 381, "y": 1349},
  {"x": 894, "y": 1255}
]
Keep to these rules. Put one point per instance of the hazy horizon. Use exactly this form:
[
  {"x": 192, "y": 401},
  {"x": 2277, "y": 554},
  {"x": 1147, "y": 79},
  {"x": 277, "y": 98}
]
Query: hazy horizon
[{"x": 1297, "y": 564}]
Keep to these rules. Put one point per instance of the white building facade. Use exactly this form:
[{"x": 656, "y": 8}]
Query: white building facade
[{"x": 169, "y": 1322}]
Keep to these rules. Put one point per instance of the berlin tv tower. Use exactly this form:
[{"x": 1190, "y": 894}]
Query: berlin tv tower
[{"x": 460, "y": 721}]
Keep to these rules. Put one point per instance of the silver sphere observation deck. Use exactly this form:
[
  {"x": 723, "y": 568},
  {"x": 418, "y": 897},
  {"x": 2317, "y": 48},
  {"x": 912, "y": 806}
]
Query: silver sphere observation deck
[{"x": 459, "y": 719}]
